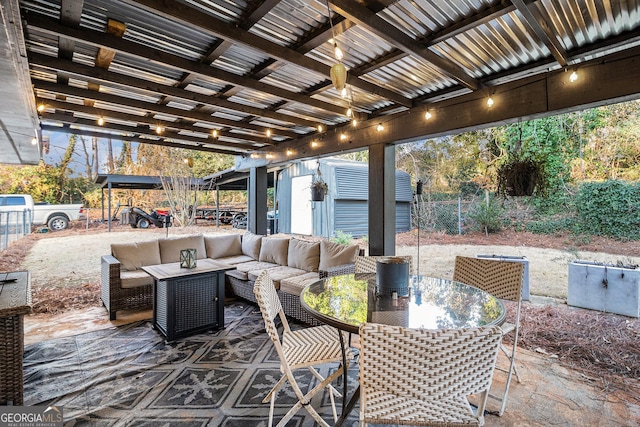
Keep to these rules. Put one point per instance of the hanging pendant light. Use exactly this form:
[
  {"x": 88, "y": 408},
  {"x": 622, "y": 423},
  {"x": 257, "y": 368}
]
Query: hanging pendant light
[{"x": 338, "y": 76}]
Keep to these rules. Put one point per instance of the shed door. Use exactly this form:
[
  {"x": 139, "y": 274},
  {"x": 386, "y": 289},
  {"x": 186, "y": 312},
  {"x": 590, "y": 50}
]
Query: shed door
[{"x": 301, "y": 214}]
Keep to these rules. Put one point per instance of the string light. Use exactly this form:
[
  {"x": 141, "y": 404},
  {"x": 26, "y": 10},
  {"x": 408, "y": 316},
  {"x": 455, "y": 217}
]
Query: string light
[
  {"x": 379, "y": 128},
  {"x": 159, "y": 129},
  {"x": 354, "y": 123},
  {"x": 320, "y": 128},
  {"x": 427, "y": 115},
  {"x": 337, "y": 51},
  {"x": 254, "y": 156},
  {"x": 343, "y": 137},
  {"x": 343, "y": 92},
  {"x": 573, "y": 77},
  {"x": 34, "y": 141},
  {"x": 41, "y": 108},
  {"x": 314, "y": 144},
  {"x": 268, "y": 133},
  {"x": 100, "y": 121},
  {"x": 269, "y": 156},
  {"x": 490, "y": 102},
  {"x": 289, "y": 153},
  {"x": 214, "y": 133}
]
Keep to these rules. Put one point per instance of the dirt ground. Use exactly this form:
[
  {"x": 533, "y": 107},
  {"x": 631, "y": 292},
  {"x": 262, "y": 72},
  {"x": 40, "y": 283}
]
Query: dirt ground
[{"x": 65, "y": 273}]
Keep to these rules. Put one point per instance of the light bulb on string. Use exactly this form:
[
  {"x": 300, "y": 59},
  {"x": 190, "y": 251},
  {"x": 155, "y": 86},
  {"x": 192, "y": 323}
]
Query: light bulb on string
[
  {"x": 573, "y": 77},
  {"x": 427, "y": 115},
  {"x": 337, "y": 51},
  {"x": 490, "y": 102}
]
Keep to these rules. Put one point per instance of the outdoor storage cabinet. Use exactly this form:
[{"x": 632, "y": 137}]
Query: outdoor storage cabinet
[
  {"x": 15, "y": 302},
  {"x": 189, "y": 304}
]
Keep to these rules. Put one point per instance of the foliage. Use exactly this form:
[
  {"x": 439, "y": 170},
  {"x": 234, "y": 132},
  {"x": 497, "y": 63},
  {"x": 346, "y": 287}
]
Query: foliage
[
  {"x": 320, "y": 185},
  {"x": 488, "y": 215},
  {"x": 610, "y": 208},
  {"x": 550, "y": 225},
  {"x": 446, "y": 219},
  {"x": 342, "y": 237}
]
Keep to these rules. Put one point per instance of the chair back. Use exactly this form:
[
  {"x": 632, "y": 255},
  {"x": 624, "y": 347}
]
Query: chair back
[
  {"x": 425, "y": 364},
  {"x": 367, "y": 264},
  {"x": 502, "y": 279},
  {"x": 269, "y": 303}
]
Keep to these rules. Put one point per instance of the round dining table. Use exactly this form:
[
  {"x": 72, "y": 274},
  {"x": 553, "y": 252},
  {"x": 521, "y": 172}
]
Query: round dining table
[{"x": 347, "y": 301}]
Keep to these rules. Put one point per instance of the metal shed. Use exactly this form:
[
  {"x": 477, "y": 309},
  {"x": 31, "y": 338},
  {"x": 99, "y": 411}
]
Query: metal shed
[{"x": 345, "y": 208}]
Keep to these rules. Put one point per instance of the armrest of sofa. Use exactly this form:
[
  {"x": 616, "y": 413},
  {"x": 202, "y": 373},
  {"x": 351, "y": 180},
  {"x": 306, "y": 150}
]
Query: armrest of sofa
[{"x": 110, "y": 280}]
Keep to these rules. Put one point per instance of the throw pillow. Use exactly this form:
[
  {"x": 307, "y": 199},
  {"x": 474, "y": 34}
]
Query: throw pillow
[
  {"x": 334, "y": 254},
  {"x": 133, "y": 256},
  {"x": 251, "y": 244},
  {"x": 304, "y": 255},
  {"x": 170, "y": 248},
  {"x": 274, "y": 250},
  {"x": 221, "y": 246}
]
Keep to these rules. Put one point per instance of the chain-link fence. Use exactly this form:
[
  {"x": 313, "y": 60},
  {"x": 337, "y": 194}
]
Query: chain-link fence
[
  {"x": 443, "y": 215},
  {"x": 13, "y": 226}
]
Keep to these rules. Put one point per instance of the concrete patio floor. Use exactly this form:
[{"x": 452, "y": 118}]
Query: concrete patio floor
[{"x": 549, "y": 394}]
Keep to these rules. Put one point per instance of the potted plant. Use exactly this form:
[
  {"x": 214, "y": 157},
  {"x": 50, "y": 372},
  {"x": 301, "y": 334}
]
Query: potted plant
[{"x": 319, "y": 189}]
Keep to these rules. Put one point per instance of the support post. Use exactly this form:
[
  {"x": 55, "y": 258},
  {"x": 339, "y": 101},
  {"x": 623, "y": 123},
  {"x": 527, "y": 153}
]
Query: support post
[
  {"x": 258, "y": 200},
  {"x": 382, "y": 200}
]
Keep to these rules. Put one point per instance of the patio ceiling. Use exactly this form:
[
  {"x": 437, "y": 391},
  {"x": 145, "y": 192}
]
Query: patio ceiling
[{"x": 171, "y": 72}]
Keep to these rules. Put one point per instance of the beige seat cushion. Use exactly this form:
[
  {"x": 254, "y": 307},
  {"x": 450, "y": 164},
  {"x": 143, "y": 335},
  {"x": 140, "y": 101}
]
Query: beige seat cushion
[
  {"x": 134, "y": 279},
  {"x": 275, "y": 250},
  {"x": 255, "y": 265},
  {"x": 294, "y": 285},
  {"x": 241, "y": 275},
  {"x": 237, "y": 259},
  {"x": 133, "y": 256},
  {"x": 334, "y": 254},
  {"x": 170, "y": 248},
  {"x": 251, "y": 244},
  {"x": 276, "y": 273},
  {"x": 303, "y": 255},
  {"x": 223, "y": 246}
]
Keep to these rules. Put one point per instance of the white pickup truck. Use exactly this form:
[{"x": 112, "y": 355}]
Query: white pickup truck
[{"x": 56, "y": 217}]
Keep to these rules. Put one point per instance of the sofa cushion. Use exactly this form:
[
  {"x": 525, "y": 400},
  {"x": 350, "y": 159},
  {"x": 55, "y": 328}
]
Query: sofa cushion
[
  {"x": 303, "y": 255},
  {"x": 294, "y": 285},
  {"x": 251, "y": 244},
  {"x": 334, "y": 254},
  {"x": 275, "y": 250},
  {"x": 254, "y": 265},
  {"x": 276, "y": 273},
  {"x": 222, "y": 246},
  {"x": 133, "y": 256},
  {"x": 237, "y": 259},
  {"x": 134, "y": 279},
  {"x": 241, "y": 275},
  {"x": 170, "y": 248}
]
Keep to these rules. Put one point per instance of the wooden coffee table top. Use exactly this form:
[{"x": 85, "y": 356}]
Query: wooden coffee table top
[{"x": 172, "y": 270}]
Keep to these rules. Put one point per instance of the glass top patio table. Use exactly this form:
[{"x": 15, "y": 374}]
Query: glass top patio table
[{"x": 347, "y": 301}]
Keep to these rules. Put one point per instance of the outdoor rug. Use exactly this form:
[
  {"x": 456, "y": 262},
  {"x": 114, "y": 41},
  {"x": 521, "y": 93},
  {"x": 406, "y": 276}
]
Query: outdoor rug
[{"x": 129, "y": 376}]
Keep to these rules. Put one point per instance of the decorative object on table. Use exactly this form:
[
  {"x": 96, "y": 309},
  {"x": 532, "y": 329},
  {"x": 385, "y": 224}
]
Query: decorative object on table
[
  {"x": 611, "y": 288},
  {"x": 188, "y": 258},
  {"x": 392, "y": 276}
]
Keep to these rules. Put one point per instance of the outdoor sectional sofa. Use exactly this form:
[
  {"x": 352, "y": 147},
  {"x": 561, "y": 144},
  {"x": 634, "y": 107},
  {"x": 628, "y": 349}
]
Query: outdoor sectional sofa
[{"x": 292, "y": 263}]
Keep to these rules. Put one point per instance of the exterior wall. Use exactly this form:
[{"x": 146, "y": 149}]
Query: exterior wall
[{"x": 345, "y": 207}]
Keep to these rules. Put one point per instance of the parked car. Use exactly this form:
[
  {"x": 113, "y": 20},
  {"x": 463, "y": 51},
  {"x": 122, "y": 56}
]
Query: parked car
[{"x": 56, "y": 217}]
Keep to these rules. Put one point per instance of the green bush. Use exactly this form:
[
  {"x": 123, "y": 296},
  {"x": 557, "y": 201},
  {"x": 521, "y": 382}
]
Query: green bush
[
  {"x": 446, "y": 218},
  {"x": 550, "y": 226},
  {"x": 488, "y": 215},
  {"x": 609, "y": 208},
  {"x": 342, "y": 237}
]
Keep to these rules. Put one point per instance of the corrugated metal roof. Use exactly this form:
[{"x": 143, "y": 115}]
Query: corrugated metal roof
[{"x": 270, "y": 67}]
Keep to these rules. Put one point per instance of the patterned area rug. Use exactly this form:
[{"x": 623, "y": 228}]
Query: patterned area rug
[{"x": 130, "y": 376}]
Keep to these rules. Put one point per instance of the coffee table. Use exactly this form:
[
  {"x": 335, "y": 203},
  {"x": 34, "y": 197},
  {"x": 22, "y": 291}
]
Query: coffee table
[{"x": 188, "y": 300}]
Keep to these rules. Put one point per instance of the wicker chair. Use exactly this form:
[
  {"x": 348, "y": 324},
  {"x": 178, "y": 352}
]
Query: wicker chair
[
  {"x": 367, "y": 264},
  {"x": 423, "y": 377},
  {"x": 503, "y": 280},
  {"x": 304, "y": 348}
]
